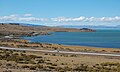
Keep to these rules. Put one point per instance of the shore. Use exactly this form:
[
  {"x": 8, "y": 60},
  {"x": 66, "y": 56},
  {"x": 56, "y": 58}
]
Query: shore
[
  {"x": 18, "y": 43},
  {"x": 87, "y": 48}
]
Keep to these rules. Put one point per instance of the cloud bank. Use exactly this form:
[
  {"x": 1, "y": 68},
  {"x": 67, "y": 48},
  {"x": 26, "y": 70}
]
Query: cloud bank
[
  {"x": 85, "y": 19},
  {"x": 24, "y": 17},
  {"x": 59, "y": 20}
]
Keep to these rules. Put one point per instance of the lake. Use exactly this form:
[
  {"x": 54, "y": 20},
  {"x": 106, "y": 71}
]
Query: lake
[{"x": 100, "y": 38}]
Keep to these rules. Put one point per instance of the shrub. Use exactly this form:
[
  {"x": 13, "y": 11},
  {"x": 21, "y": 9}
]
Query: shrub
[
  {"x": 32, "y": 67},
  {"x": 54, "y": 64},
  {"x": 51, "y": 67},
  {"x": 8, "y": 64},
  {"x": 40, "y": 61},
  {"x": 25, "y": 66},
  {"x": 39, "y": 66}
]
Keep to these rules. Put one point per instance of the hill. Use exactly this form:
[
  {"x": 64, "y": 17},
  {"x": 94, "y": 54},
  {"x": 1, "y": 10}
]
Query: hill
[{"x": 17, "y": 29}]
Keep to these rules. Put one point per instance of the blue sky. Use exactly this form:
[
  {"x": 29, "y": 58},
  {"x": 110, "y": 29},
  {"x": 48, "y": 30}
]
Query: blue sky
[{"x": 61, "y": 12}]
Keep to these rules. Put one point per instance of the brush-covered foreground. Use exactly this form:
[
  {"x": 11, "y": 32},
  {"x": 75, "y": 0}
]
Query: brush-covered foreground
[{"x": 23, "y": 61}]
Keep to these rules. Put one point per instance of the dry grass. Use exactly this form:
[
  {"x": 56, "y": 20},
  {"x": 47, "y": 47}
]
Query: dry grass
[{"x": 55, "y": 60}]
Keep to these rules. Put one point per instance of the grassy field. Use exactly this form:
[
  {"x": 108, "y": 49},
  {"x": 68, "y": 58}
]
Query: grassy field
[
  {"x": 24, "y": 61},
  {"x": 16, "y": 61}
]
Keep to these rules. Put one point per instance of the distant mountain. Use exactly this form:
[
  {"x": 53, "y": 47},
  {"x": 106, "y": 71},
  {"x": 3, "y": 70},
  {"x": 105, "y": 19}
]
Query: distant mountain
[
  {"x": 118, "y": 26},
  {"x": 93, "y": 27},
  {"x": 24, "y": 24}
]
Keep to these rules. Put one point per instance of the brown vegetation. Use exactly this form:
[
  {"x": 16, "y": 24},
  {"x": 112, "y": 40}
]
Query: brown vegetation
[
  {"x": 15, "y": 61},
  {"x": 19, "y": 30}
]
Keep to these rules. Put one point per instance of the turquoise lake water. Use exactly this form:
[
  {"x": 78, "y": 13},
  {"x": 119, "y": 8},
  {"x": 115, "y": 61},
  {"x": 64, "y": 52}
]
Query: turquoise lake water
[{"x": 100, "y": 38}]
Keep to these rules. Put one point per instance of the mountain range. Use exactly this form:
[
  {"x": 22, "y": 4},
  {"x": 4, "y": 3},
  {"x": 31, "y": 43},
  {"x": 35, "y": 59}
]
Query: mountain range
[
  {"x": 93, "y": 27},
  {"x": 71, "y": 26}
]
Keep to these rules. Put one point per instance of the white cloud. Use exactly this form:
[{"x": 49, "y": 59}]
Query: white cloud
[
  {"x": 27, "y": 15},
  {"x": 32, "y": 19},
  {"x": 8, "y": 18},
  {"x": 104, "y": 19},
  {"x": 61, "y": 20},
  {"x": 64, "y": 19},
  {"x": 21, "y": 18},
  {"x": 79, "y": 19},
  {"x": 85, "y": 19}
]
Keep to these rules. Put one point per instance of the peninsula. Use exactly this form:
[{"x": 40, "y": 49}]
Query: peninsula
[{"x": 15, "y": 29}]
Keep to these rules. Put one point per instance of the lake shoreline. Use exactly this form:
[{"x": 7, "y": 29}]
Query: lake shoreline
[
  {"x": 18, "y": 43},
  {"x": 75, "y": 45},
  {"x": 11, "y": 30},
  {"x": 99, "y": 39}
]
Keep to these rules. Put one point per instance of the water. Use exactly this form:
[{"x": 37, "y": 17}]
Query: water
[{"x": 100, "y": 38}]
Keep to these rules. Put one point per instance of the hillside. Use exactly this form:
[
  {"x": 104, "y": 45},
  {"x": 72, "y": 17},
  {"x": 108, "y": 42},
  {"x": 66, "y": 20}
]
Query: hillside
[{"x": 20, "y": 30}]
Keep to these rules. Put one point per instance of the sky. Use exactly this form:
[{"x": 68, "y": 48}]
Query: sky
[{"x": 61, "y": 12}]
